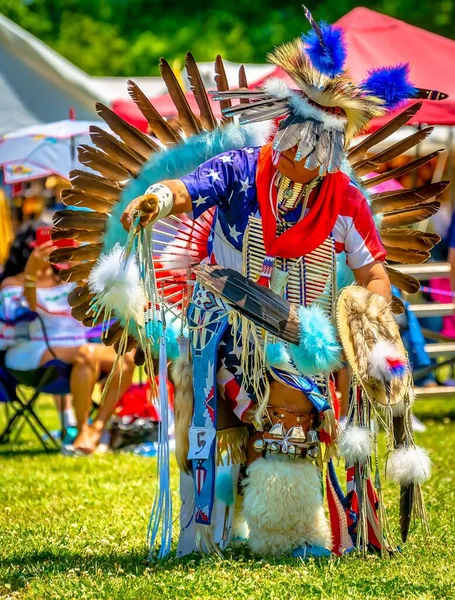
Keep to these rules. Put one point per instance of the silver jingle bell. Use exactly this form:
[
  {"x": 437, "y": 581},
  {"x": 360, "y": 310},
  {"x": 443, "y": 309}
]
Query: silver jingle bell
[
  {"x": 258, "y": 445},
  {"x": 293, "y": 451},
  {"x": 311, "y": 436},
  {"x": 273, "y": 448},
  {"x": 312, "y": 453}
]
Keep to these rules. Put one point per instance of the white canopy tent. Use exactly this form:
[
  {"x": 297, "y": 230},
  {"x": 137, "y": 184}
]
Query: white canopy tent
[{"x": 37, "y": 85}]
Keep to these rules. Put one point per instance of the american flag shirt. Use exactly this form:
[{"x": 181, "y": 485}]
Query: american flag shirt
[{"x": 228, "y": 183}]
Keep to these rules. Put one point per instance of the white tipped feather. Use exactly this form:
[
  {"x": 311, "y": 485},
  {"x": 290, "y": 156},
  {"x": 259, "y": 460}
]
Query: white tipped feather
[
  {"x": 117, "y": 284},
  {"x": 355, "y": 444},
  {"x": 409, "y": 465}
]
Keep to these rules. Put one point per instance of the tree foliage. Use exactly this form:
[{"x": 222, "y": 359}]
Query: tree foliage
[{"x": 127, "y": 37}]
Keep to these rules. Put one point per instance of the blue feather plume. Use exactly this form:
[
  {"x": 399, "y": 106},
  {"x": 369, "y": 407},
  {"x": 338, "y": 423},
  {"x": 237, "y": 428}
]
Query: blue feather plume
[
  {"x": 391, "y": 84},
  {"x": 318, "y": 350},
  {"x": 329, "y": 55}
]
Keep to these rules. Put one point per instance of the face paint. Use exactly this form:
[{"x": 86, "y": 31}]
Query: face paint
[{"x": 275, "y": 157}]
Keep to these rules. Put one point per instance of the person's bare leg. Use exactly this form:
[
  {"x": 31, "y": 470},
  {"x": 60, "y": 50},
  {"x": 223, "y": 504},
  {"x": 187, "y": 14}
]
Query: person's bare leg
[
  {"x": 84, "y": 375},
  {"x": 118, "y": 385}
]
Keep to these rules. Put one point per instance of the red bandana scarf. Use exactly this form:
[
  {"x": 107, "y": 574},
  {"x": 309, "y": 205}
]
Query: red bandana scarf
[{"x": 314, "y": 228}]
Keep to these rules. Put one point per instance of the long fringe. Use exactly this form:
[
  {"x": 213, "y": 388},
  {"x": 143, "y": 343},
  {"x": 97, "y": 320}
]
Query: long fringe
[{"x": 231, "y": 446}]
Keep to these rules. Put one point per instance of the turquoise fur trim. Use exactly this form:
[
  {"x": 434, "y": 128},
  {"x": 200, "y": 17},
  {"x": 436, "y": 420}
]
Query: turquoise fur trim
[
  {"x": 276, "y": 355},
  {"x": 318, "y": 350},
  {"x": 224, "y": 488},
  {"x": 174, "y": 163},
  {"x": 172, "y": 335}
]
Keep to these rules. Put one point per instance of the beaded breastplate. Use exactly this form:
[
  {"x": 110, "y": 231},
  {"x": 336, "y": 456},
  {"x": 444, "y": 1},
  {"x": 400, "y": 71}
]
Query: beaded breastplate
[{"x": 303, "y": 280}]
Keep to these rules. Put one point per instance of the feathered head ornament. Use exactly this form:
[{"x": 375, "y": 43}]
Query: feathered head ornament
[{"x": 326, "y": 110}]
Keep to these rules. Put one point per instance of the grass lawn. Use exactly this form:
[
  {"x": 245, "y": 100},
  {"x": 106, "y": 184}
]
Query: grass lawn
[{"x": 74, "y": 528}]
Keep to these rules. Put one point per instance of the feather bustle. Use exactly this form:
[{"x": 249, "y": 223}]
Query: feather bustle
[
  {"x": 99, "y": 161},
  {"x": 75, "y": 197},
  {"x": 398, "y": 199},
  {"x": 87, "y": 252},
  {"x": 81, "y": 235},
  {"x": 117, "y": 150},
  {"x": 409, "y": 238},
  {"x": 243, "y": 82},
  {"x": 189, "y": 122},
  {"x": 75, "y": 219},
  {"x": 129, "y": 134},
  {"x": 78, "y": 272},
  {"x": 359, "y": 151},
  {"x": 222, "y": 85},
  {"x": 409, "y": 216},
  {"x": 112, "y": 334},
  {"x": 159, "y": 126},
  {"x": 403, "y": 282},
  {"x": 372, "y": 163},
  {"x": 78, "y": 295},
  {"x": 96, "y": 185},
  {"x": 200, "y": 93},
  {"x": 399, "y": 171},
  {"x": 406, "y": 256}
]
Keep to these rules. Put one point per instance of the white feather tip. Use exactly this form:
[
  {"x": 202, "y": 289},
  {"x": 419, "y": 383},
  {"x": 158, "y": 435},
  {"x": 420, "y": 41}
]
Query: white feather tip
[
  {"x": 409, "y": 465},
  {"x": 355, "y": 444},
  {"x": 117, "y": 284}
]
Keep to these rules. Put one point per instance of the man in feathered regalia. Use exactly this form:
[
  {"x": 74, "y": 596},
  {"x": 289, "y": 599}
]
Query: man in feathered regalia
[{"x": 272, "y": 223}]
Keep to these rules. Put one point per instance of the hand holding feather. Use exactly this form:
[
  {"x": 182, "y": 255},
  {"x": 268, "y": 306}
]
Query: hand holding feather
[{"x": 147, "y": 206}]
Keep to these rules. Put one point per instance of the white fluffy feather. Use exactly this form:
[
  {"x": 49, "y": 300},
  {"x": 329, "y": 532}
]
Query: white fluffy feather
[
  {"x": 378, "y": 364},
  {"x": 409, "y": 465},
  {"x": 355, "y": 444},
  {"x": 277, "y": 88},
  {"x": 117, "y": 284},
  {"x": 283, "y": 506},
  {"x": 260, "y": 132},
  {"x": 302, "y": 107}
]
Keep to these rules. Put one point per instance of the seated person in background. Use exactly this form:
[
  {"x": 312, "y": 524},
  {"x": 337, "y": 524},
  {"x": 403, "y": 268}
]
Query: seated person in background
[{"x": 55, "y": 334}]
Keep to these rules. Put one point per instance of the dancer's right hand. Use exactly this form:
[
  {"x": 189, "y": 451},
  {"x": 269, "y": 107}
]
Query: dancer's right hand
[{"x": 146, "y": 205}]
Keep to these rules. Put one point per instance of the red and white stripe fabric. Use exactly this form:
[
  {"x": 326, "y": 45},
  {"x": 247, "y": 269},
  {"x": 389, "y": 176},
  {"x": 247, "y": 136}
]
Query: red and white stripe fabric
[{"x": 355, "y": 232}]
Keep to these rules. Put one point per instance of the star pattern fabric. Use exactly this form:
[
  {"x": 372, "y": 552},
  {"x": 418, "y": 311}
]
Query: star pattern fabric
[{"x": 226, "y": 181}]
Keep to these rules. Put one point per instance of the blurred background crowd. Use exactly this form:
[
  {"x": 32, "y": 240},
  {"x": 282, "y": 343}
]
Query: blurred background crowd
[{"x": 57, "y": 58}]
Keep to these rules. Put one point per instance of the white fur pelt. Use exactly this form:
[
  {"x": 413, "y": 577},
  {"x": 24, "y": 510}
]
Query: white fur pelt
[
  {"x": 117, "y": 284},
  {"x": 355, "y": 444},
  {"x": 182, "y": 377},
  {"x": 409, "y": 465},
  {"x": 283, "y": 506}
]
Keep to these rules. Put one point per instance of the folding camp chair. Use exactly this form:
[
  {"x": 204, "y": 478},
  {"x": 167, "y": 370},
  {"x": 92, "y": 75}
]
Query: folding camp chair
[{"x": 51, "y": 378}]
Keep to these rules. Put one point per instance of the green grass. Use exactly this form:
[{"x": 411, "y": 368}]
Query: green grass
[{"x": 75, "y": 528}]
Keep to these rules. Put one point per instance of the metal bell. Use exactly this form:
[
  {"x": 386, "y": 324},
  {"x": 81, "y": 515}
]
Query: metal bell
[
  {"x": 312, "y": 436},
  {"x": 293, "y": 451},
  {"x": 296, "y": 435},
  {"x": 273, "y": 448},
  {"x": 276, "y": 432},
  {"x": 258, "y": 445},
  {"x": 312, "y": 453}
]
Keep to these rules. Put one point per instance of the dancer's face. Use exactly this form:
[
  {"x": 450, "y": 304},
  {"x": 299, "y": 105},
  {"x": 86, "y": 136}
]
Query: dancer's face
[{"x": 295, "y": 170}]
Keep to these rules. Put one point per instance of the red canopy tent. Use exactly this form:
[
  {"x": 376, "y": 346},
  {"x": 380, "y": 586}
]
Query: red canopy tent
[{"x": 374, "y": 40}]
